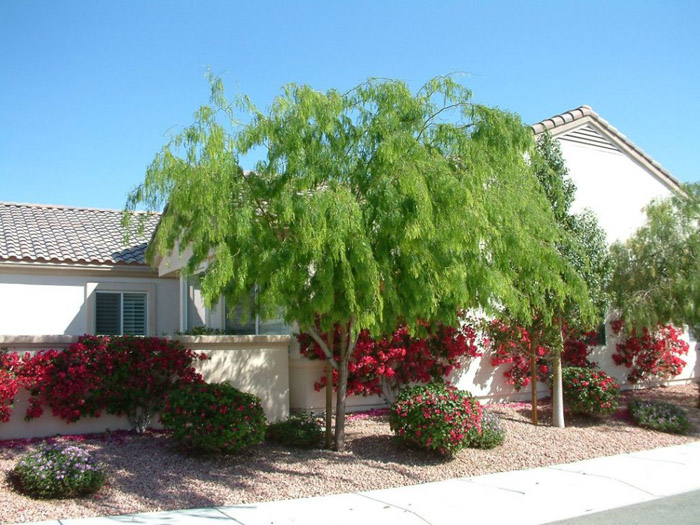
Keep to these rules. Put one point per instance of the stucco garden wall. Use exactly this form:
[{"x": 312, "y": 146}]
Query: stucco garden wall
[{"x": 253, "y": 364}]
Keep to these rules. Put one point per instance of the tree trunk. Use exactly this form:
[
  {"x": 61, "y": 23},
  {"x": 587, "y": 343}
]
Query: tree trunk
[
  {"x": 557, "y": 387},
  {"x": 533, "y": 380},
  {"x": 329, "y": 405},
  {"x": 341, "y": 397}
]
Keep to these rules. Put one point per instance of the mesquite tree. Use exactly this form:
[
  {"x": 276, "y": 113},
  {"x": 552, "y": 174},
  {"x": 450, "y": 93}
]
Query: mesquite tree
[{"x": 367, "y": 209}]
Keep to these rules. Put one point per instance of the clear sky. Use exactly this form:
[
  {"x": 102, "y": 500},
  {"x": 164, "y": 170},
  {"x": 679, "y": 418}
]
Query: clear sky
[{"x": 89, "y": 91}]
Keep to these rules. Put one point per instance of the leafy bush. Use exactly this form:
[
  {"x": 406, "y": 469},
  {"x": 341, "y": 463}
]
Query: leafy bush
[
  {"x": 300, "y": 430},
  {"x": 121, "y": 375},
  {"x": 659, "y": 416},
  {"x": 492, "y": 432},
  {"x": 57, "y": 471},
  {"x": 588, "y": 391},
  {"x": 436, "y": 417},
  {"x": 214, "y": 418}
]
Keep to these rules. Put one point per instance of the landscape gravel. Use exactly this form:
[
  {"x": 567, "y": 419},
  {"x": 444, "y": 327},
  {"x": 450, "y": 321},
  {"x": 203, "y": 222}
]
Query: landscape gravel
[{"x": 146, "y": 473}]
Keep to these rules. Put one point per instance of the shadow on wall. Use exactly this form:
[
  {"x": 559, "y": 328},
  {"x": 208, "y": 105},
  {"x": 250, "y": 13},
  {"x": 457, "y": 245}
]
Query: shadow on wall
[
  {"x": 487, "y": 382},
  {"x": 78, "y": 326},
  {"x": 263, "y": 372}
]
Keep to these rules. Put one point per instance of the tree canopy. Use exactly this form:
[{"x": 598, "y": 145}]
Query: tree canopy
[
  {"x": 656, "y": 277},
  {"x": 368, "y": 208}
]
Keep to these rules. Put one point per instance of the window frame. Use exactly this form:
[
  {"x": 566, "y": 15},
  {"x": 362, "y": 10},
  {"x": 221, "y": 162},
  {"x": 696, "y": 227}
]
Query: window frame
[
  {"x": 121, "y": 295},
  {"x": 91, "y": 289}
]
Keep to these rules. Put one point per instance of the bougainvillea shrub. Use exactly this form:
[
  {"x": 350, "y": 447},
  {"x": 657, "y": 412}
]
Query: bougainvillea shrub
[
  {"x": 381, "y": 365},
  {"x": 121, "y": 375},
  {"x": 660, "y": 416},
  {"x": 57, "y": 471},
  {"x": 10, "y": 381},
  {"x": 512, "y": 344},
  {"x": 436, "y": 417},
  {"x": 214, "y": 418},
  {"x": 589, "y": 391},
  {"x": 653, "y": 354}
]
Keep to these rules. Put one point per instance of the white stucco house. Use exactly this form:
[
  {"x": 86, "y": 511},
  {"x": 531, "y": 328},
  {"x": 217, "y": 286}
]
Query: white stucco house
[{"x": 66, "y": 271}]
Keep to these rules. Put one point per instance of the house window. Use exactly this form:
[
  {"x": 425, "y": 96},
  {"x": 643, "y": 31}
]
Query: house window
[
  {"x": 252, "y": 325},
  {"x": 120, "y": 313}
]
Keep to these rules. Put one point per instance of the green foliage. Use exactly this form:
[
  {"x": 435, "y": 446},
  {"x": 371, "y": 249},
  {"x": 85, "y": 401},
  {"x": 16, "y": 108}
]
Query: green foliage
[
  {"x": 299, "y": 431},
  {"x": 436, "y": 417},
  {"x": 377, "y": 204},
  {"x": 660, "y": 416},
  {"x": 57, "y": 471},
  {"x": 656, "y": 278},
  {"x": 589, "y": 391},
  {"x": 214, "y": 418},
  {"x": 493, "y": 434}
]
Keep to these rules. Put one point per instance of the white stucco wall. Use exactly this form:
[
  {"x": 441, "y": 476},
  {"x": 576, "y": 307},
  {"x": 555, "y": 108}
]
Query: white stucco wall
[
  {"x": 41, "y": 303},
  {"x": 613, "y": 185}
]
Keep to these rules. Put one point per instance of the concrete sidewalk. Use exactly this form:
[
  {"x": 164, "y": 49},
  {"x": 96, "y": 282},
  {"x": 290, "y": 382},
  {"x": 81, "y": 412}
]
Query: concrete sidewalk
[{"x": 538, "y": 495}]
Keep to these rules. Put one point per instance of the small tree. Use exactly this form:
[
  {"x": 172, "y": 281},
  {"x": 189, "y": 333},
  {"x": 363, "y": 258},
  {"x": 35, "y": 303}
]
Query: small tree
[
  {"x": 369, "y": 209},
  {"x": 561, "y": 316},
  {"x": 656, "y": 277}
]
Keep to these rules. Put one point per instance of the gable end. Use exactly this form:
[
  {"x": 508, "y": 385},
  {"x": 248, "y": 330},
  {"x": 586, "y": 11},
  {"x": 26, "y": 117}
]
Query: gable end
[{"x": 589, "y": 136}]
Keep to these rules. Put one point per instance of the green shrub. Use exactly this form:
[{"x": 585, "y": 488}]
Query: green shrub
[
  {"x": 589, "y": 391},
  {"x": 659, "y": 416},
  {"x": 435, "y": 417},
  {"x": 214, "y": 418},
  {"x": 300, "y": 431},
  {"x": 57, "y": 471},
  {"x": 492, "y": 432}
]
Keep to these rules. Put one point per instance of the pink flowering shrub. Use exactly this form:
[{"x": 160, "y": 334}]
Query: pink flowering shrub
[
  {"x": 121, "y": 375},
  {"x": 588, "y": 391},
  {"x": 10, "y": 381},
  {"x": 214, "y": 418},
  {"x": 382, "y": 365},
  {"x": 512, "y": 344},
  {"x": 436, "y": 417},
  {"x": 651, "y": 354}
]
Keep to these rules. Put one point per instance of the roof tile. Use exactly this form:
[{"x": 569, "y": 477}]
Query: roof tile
[{"x": 31, "y": 232}]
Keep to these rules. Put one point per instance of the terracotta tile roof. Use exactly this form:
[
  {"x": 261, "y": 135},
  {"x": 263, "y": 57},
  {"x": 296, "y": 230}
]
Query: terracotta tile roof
[
  {"x": 31, "y": 232},
  {"x": 587, "y": 113}
]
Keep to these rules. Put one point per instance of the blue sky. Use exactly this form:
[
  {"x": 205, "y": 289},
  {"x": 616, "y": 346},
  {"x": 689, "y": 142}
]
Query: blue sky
[{"x": 89, "y": 91}]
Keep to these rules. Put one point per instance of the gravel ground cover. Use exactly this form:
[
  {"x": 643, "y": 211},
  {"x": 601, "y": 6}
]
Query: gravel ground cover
[{"x": 147, "y": 474}]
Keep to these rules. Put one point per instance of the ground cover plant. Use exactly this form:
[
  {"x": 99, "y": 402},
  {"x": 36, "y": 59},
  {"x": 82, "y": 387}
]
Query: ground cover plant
[
  {"x": 664, "y": 417},
  {"x": 57, "y": 471},
  {"x": 493, "y": 432},
  {"x": 214, "y": 418},
  {"x": 298, "y": 431}
]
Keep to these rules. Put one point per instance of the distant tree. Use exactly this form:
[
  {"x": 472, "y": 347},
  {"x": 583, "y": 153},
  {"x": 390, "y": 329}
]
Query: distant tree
[
  {"x": 369, "y": 209},
  {"x": 656, "y": 272}
]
